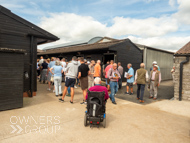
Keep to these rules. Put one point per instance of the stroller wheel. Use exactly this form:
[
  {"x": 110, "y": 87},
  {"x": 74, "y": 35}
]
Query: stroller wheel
[
  {"x": 104, "y": 122},
  {"x": 85, "y": 120}
]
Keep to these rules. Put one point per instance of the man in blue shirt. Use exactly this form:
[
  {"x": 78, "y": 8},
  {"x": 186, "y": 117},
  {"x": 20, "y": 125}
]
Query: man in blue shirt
[{"x": 130, "y": 79}]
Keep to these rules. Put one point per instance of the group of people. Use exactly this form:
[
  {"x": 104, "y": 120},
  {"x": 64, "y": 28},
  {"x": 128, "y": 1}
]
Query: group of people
[
  {"x": 140, "y": 78},
  {"x": 88, "y": 74}
]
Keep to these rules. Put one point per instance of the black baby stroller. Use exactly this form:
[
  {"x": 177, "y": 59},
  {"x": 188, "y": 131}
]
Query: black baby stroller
[{"x": 96, "y": 106}]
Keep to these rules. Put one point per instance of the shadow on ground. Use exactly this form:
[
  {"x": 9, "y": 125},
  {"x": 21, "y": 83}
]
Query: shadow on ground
[{"x": 165, "y": 91}]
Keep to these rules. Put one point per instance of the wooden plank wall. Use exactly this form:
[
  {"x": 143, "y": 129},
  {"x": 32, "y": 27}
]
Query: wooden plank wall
[
  {"x": 13, "y": 35},
  {"x": 128, "y": 53},
  {"x": 11, "y": 84}
]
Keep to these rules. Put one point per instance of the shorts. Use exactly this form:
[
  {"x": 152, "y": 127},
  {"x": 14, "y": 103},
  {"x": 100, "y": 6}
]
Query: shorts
[
  {"x": 70, "y": 82},
  {"x": 49, "y": 78},
  {"x": 130, "y": 84},
  {"x": 84, "y": 82},
  {"x": 108, "y": 81}
]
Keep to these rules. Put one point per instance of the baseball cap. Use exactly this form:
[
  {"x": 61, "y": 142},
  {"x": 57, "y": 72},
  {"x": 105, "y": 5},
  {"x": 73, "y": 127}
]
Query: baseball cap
[{"x": 156, "y": 66}]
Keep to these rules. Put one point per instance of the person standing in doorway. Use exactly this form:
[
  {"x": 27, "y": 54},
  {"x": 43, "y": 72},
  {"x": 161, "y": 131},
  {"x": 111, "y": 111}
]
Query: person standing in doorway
[
  {"x": 120, "y": 69},
  {"x": 105, "y": 67},
  {"x": 71, "y": 74},
  {"x": 141, "y": 76},
  {"x": 108, "y": 62},
  {"x": 97, "y": 69},
  {"x": 83, "y": 72},
  {"x": 91, "y": 76},
  {"x": 130, "y": 79},
  {"x": 154, "y": 82},
  {"x": 113, "y": 75}
]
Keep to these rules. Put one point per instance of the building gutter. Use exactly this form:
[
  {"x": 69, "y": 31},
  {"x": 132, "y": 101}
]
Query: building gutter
[{"x": 181, "y": 77}]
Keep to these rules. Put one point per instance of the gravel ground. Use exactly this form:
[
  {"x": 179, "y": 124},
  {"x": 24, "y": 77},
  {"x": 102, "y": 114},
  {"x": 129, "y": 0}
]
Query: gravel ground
[{"x": 158, "y": 122}]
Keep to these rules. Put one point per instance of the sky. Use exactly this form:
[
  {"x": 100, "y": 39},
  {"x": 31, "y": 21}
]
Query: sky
[{"x": 163, "y": 24}]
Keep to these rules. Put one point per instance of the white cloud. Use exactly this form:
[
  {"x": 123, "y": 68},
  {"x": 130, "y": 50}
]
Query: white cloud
[
  {"x": 172, "y": 3},
  {"x": 72, "y": 27},
  {"x": 149, "y": 31},
  {"x": 165, "y": 43},
  {"x": 143, "y": 27},
  {"x": 148, "y": 1},
  {"x": 183, "y": 14}
]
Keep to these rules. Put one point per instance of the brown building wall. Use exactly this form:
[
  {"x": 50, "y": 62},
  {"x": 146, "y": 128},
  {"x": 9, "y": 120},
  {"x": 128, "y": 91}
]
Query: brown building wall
[{"x": 186, "y": 79}]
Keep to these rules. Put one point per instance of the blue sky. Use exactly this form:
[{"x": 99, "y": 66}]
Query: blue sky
[{"x": 156, "y": 23}]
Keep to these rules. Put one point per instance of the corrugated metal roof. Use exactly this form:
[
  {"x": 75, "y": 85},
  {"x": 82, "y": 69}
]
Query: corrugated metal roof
[
  {"x": 185, "y": 50},
  {"x": 140, "y": 46},
  {"x": 75, "y": 43},
  {"x": 94, "y": 46},
  {"x": 82, "y": 42}
]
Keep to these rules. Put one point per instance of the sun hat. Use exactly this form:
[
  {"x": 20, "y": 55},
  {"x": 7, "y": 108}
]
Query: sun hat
[{"x": 155, "y": 62}]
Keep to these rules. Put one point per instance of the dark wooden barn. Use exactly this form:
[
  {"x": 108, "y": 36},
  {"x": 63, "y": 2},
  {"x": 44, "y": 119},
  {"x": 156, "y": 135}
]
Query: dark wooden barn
[
  {"x": 12, "y": 73},
  {"x": 17, "y": 33},
  {"x": 123, "y": 51}
]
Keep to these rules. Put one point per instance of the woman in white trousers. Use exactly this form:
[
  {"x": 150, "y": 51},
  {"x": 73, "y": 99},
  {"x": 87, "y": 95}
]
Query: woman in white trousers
[{"x": 57, "y": 72}]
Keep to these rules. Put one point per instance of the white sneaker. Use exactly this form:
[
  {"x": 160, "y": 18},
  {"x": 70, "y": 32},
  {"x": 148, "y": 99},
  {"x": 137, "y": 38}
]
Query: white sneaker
[
  {"x": 53, "y": 91},
  {"x": 48, "y": 89},
  {"x": 75, "y": 86}
]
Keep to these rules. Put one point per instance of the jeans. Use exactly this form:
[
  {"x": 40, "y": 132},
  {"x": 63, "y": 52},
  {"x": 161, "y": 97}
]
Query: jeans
[
  {"x": 114, "y": 89},
  {"x": 140, "y": 88},
  {"x": 120, "y": 83},
  {"x": 69, "y": 90},
  {"x": 57, "y": 84}
]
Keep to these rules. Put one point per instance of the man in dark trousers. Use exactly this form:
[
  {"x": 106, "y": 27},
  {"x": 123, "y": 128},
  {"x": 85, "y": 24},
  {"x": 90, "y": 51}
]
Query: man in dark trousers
[
  {"x": 83, "y": 72},
  {"x": 141, "y": 77}
]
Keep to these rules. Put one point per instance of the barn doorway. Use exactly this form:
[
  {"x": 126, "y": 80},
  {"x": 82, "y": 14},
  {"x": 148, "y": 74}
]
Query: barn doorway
[{"x": 108, "y": 57}]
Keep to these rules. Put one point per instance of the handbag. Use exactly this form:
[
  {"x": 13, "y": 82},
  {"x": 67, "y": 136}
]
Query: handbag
[{"x": 52, "y": 79}]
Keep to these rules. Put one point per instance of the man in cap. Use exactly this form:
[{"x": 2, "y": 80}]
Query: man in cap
[
  {"x": 154, "y": 63},
  {"x": 154, "y": 82}
]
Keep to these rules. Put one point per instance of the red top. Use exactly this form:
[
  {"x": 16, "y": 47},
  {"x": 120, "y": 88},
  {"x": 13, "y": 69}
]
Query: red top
[
  {"x": 107, "y": 69},
  {"x": 99, "y": 88}
]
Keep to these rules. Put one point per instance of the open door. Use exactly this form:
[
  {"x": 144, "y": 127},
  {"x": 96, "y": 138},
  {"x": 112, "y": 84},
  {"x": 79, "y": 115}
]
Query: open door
[{"x": 108, "y": 57}]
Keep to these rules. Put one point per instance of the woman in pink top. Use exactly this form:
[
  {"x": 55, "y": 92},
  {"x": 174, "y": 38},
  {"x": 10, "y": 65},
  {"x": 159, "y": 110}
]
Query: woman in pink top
[{"x": 106, "y": 76}]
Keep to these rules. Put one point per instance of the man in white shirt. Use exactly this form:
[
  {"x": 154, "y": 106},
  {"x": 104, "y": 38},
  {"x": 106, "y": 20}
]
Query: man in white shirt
[{"x": 154, "y": 82}]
